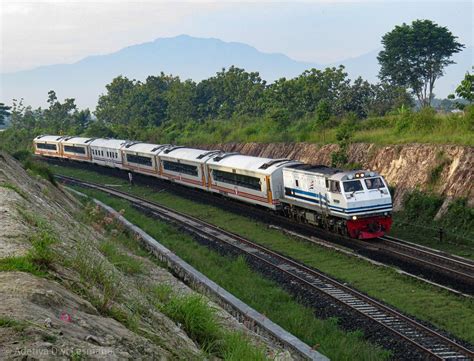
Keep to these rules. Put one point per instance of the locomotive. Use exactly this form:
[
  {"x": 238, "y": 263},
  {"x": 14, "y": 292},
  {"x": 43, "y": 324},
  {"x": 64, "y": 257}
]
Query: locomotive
[{"x": 356, "y": 203}]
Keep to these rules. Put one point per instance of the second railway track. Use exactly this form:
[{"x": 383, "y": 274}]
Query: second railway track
[
  {"x": 407, "y": 337},
  {"x": 460, "y": 268}
]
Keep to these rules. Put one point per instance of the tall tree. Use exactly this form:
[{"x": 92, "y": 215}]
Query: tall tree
[
  {"x": 415, "y": 55},
  {"x": 465, "y": 90},
  {"x": 58, "y": 116},
  {"x": 4, "y": 112}
]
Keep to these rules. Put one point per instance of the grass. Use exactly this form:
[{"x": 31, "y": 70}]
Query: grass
[
  {"x": 430, "y": 303},
  {"x": 121, "y": 260},
  {"x": 98, "y": 273},
  {"x": 260, "y": 293},
  {"x": 196, "y": 316},
  {"x": 6, "y": 322},
  {"x": 14, "y": 188},
  {"x": 199, "y": 321},
  {"x": 425, "y": 126},
  {"x": 21, "y": 264},
  {"x": 40, "y": 257}
]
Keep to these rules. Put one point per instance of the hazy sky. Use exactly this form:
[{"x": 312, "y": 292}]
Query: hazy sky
[{"x": 39, "y": 32}]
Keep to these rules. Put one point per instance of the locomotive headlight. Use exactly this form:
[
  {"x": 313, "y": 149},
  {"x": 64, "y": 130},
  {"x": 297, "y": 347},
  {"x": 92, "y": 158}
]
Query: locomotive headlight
[
  {"x": 385, "y": 213},
  {"x": 354, "y": 218}
]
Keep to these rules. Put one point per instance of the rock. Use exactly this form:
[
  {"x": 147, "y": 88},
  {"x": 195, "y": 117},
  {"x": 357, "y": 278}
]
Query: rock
[
  {"x": 93, "y": 339},
  {"x": 47, "y": 322}
]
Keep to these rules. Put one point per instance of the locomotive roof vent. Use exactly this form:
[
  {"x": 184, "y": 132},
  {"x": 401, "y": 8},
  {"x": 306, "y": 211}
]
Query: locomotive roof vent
[
  {"x": 160, "y": 146},
  {"x": 225, "y": 155},
  {"x": 200, "y": 156},
  {"x": 166, "y": 151},
  {"x": 129, "y": 144},
  {"x": 273, "y": 162}
]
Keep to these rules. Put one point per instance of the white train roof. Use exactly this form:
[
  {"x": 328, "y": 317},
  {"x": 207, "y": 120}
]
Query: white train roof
[
  {"x": 48, "y": 138},
  {"x": 77, "y": 140},
  {"x": 108, "y": 143},
  {"x": 137, "y": 147},
  {"x": 248, "y": 163},
  {"x": 189, "y": 154}
]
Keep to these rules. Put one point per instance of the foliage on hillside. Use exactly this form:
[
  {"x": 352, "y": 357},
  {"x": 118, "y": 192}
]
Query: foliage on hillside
[{"x": 236, "y": 106}]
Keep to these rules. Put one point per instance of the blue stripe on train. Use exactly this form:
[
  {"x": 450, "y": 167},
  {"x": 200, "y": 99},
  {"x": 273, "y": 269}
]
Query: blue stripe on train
[{"x": 377, "y": 207}]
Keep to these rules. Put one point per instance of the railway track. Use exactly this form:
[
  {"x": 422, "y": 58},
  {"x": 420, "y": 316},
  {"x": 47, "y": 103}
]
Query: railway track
[
  {"x": 428, "y": 342},
  {"x": 461, "y": 268},
  {"x": 424, "y": 263}
]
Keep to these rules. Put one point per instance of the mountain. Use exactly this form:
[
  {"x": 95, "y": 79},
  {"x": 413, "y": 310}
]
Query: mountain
[{"x": 186, "y": 56}]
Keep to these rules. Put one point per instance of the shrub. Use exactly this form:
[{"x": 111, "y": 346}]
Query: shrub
[
  {"x": 416, "y": 201},
  {"x": 40, "y": 169},
  {"x": 197, "y": 318}
]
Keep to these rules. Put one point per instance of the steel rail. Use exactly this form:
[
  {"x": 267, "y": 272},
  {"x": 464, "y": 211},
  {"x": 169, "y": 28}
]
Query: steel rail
[
  {"x": 422, "y": 337},
  {"x": 462, "y": 268}
]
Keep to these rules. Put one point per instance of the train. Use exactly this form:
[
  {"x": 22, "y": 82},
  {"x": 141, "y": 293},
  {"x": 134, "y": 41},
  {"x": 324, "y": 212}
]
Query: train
[{"x": 354, "y": 203}]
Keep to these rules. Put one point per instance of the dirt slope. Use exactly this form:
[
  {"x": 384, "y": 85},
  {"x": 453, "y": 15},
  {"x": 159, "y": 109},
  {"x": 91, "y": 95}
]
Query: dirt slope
[{"x": 70, "y": 306}]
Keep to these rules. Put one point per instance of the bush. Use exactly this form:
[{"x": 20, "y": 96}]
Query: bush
[
  {"x": 40, "y": 169},
  {"x": 416, "y": 201},
  {"x": 459, "y": 217},
  {"x": 197, "y": 318}
]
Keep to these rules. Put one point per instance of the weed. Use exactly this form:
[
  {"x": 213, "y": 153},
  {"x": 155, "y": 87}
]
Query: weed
[
  {"x": 40, "y": 257},
  {"x": 14, "y": 188},
  {"x": 122, "y": 261},
  {"x": 11, "y": 323},
  {"x": 21, "y": 264},
  {"x": 197, "y": 318},
  {"x": 237, "y": 347},
  {"x": 95, "y": 271},
  {"x": 435, "y": 173},
  {"x": 40, "y": 169},
  {"x": 161, "y": 293}
]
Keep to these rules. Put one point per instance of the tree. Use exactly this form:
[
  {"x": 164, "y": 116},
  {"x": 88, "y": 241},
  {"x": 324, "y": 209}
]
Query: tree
[
  {"x": 58, "y": 117},
  {"x": 4, "y": 112},
  {"x": 344, "y": 134},
  {"x": 415, "y": 55},
  {"x": 465, "y": 90}
]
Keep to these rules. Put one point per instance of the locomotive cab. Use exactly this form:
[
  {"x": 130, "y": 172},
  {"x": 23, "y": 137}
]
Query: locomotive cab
[
  {"x": 356, "y": 203},
  {"x": 368, "y": 204}
]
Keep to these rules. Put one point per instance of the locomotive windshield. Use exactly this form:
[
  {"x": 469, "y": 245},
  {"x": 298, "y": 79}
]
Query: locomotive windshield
[
  {"x": 352, "y": 186},
  {"x": 374, "y": 183}
]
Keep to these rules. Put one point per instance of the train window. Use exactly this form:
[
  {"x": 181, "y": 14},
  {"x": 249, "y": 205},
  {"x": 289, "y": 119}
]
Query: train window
[
  {"x": 374, "y": 183},
  {"x": 180, "y": 168},
  {"x": 46, "y": 146},
  {"x": 237, "y": 179},
  {"x": 334, "y": 187},
  {"x": 296, "y": 182},
  {"x": 352, "y": 186},
  {"x": 74, "y": 149},
  {"x": 138, "y": 159}
]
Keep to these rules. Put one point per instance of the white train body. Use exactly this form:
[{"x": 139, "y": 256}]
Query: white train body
[
  {"x": 357, "y": 203},
  {"x": 106, "y": 152},
  {"x": 48, "y": 145},
  {"x": 348, "y": 199},
  {"x": 250, "y": 179},
  {"x": 186, "y": 166}
]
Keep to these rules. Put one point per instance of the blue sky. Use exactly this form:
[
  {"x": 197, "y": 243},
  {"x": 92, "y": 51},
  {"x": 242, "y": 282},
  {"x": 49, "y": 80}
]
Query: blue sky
[{"x": 35, "y": 33}]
